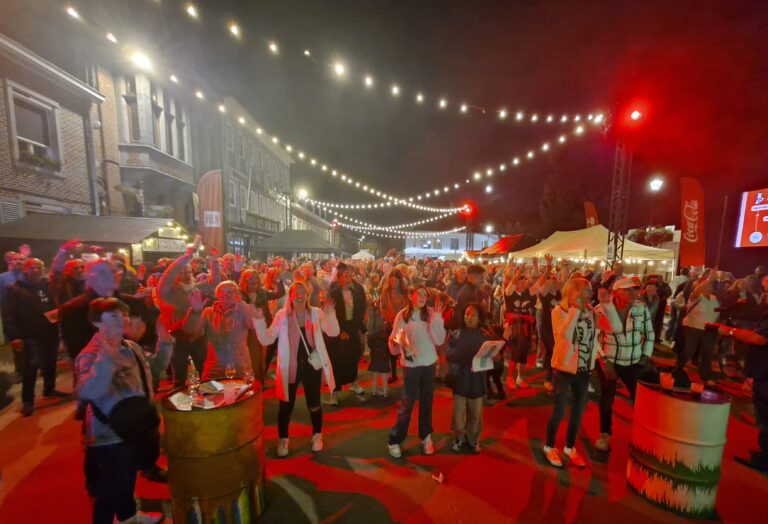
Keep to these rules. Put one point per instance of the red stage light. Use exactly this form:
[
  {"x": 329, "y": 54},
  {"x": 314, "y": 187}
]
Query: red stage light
[
  {"x": 467, "y": 210},
  {"x": 635, "y": 114}
]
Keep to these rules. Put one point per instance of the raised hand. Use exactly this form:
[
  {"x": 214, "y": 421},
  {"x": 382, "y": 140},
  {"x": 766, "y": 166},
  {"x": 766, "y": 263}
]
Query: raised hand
[
  {"x": 439, "y": 306},
  {"x": 196, "y": 243}
]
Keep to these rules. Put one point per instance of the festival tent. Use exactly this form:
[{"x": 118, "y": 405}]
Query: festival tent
[
  {"x": 591, "y": 242},
  {"x": 363, "y": 254}
]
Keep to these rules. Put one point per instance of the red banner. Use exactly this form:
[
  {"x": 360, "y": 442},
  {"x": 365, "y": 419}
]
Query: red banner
[
  {"x": 692, "y": 241},
  {"x": 590, "y": 213},
  {"x": 211, "y": 216}
]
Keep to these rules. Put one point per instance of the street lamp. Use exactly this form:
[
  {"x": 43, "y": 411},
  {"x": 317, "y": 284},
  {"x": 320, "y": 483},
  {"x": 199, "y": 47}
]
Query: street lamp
[
  {"x": 489, "y": 228},
  {"x": 655, "y": 185},
  {"x": 303, "y": 194}
]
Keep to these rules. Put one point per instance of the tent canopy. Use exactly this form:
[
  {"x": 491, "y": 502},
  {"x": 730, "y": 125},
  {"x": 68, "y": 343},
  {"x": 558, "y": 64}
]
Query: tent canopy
[
  {"x": 363, "y": 254},
  {"x": 88, "y": 228},
  {"x": 591, "y": 242},
  {"x": 296, "y": 241}
]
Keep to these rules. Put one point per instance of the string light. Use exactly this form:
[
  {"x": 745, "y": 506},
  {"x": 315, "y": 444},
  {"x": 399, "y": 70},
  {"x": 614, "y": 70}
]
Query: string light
[
  {"x": 395, "y": 228},
  {"x": 396, "y": 233},
  {"x": 234, "y": 29},
  {"x": 339, "y": 68},
  {"x": 369, "y": 81},
  {"x": 174, "y": 79},
  {"x": 192, "y": 11},
  {"x": 111, "y": 38},
  {"x": 273, "y": 47},
  {"x": 395, "y": 90},
  {"x": 71, "y": 11}
]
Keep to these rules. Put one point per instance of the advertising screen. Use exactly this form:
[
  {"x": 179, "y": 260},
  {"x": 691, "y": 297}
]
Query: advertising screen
[{"x": 753, "y": 219}]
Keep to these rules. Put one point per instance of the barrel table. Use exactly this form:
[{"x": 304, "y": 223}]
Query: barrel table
[
  {"x": 216, "y": 457},
  {"x": 676, "y": 448}
]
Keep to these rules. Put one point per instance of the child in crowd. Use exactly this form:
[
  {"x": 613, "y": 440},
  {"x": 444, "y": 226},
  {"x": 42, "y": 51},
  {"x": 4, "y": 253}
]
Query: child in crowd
[{"x": 379, "y": 346}]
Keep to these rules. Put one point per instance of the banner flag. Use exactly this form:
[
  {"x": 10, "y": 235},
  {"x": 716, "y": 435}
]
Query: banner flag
[
  {"x": 692, "y": 240},
  {"x": 210, "y": 210},
  {"x": 590, "y": 212}
]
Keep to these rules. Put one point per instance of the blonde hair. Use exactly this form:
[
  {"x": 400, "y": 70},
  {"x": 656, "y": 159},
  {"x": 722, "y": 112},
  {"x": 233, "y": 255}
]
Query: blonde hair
[
  {"x": 289, "y": 302},
  {"x": 573, "y": 286}
]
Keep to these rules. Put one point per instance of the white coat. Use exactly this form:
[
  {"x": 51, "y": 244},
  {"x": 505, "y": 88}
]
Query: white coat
[{"x": 321, "y": 322}]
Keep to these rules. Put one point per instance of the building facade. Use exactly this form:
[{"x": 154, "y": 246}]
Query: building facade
[
  {"x": 452, "y": 245},
  {"x": 47, "y": 162}
]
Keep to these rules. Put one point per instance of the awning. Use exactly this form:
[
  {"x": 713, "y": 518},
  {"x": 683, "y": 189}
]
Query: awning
[
  {"x": 296, "y": 241},
  {"x": 88, "y": 228},
  {"x": 507, "y": 244}
]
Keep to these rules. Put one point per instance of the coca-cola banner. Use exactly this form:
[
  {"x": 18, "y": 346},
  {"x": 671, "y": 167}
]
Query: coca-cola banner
[
  {"x": 692, "y": 242},
  {"x": 590, "y": 213},
  {"x": 210, "y": 210}
]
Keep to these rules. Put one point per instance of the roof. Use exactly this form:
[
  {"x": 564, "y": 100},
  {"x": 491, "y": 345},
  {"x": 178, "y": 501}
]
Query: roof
[
  {"x": 23, "y": 56},
  {"x": 88, "y": 228},
  {"x": 591, "y": 242},
  {"x": 296, "y": 241},
  {"x": 507, "y": 244}
]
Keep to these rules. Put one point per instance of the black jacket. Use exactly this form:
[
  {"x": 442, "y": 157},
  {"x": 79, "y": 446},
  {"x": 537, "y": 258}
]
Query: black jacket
[
  {"x": 24, "y": 308},
  {"x": 462, "y": 348},
  {"x": 359, "y": 305},
  {"x": 76, "y": 331}
]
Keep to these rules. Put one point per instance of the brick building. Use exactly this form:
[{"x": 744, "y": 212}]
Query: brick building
[{"x": 47, "y": 161}]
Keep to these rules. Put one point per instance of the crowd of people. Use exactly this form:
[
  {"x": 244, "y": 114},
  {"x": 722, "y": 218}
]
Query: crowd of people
[{"x": 422, "y": 322}]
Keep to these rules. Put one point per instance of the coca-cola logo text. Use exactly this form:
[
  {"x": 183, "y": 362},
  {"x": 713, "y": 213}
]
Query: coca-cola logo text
[{"x": 691, "y": 221}]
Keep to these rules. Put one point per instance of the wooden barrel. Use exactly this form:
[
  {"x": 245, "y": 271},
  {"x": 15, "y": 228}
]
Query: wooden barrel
[
  {"x": 677, "y": 447},
  {"x": 216, "y": 460}
]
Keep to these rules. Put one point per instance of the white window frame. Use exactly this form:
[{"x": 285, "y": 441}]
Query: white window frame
[{"x": 55, "y": 151}]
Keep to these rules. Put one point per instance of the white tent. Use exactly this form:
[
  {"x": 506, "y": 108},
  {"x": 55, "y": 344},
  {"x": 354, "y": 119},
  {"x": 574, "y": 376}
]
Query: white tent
[
  {"x": 363, "y": 254},
  {"x": 591, "y": 242}
]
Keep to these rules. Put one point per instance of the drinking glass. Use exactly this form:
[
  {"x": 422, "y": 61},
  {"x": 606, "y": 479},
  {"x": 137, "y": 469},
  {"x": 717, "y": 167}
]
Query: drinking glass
[
  {"x": 229, "y": 370},
  {"x": 248, "y": 379}
]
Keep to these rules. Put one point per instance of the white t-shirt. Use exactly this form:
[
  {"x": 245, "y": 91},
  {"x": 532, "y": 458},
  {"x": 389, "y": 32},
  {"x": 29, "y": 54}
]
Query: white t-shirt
[{"x": 701, "y": 310}]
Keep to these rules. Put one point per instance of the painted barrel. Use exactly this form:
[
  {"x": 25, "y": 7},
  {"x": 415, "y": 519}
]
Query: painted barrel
[
  {"x": 216, "y": 459},
  {"x": 677, "y": 447}
]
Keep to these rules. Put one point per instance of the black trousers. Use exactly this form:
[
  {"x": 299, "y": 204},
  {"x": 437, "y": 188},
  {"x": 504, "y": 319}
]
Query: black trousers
[
  {"x": 182, "y": 350},
  {"x": 628, "y": 375},
  {"x": 110, "y": 477},
  {"x": 38, "y": 354},
  {"x": 310, "y": 378}
]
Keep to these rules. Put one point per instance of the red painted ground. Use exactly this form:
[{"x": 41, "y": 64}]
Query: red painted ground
[{"x": 355, "y": 480}]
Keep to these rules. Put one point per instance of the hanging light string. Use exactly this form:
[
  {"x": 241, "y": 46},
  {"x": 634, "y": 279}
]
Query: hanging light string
[
  {"x": 143, "y": 62},
  {"x": 341, "y": 71},
  {"x": 397, "y": 228},
  {"x": 396, "y": 234},
  {"x": 379, "y": 205}
]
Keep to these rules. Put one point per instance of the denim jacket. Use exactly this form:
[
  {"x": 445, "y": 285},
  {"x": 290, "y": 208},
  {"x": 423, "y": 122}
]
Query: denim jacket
[{"x": 105, "y": 380}]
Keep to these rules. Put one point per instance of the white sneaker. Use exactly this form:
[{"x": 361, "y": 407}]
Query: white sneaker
[
  {"x": 426, "y": 446},
  {"x": 574, "y": 457},
  {"x": 355, "y": 388},
  {"x": 553, "y": 457},
  {"x": 395, "y": 451},
  {"x": 282, "y": 448},
  {"x": 332, "y": 400},
  {"x": 317, "y": 442}
]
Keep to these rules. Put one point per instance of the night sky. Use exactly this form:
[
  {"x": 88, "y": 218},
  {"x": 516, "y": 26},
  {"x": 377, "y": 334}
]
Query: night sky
[{"x": 701, "y": 66}]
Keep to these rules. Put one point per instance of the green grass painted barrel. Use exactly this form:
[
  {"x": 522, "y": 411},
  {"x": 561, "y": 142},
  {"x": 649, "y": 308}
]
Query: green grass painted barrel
[
  {"x": 216, "y": 460},
  {"x": 677, "y": 447}
]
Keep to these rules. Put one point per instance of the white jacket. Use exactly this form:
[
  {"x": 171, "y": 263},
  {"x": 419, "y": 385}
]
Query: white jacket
[
  {"x": 565, "y": 355},
  {"x": 279, "y": 330}
]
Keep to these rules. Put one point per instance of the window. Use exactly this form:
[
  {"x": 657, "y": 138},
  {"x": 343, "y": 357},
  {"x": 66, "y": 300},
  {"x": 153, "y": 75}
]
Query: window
[
  {"x": 169, "y": 133},
  {"x": 232, "y": 194},
  {"x": 454, "y": 244},
  {"x": 181, "y": 137},
  {"x": 241, "y": 150},
  {"x": 34, "y": 129},
  {"x": 130, "y": 85},
  {"x": 132, "y": 109}
]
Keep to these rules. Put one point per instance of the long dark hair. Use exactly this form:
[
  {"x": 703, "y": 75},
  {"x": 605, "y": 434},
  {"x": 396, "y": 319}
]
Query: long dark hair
[
  {"x": 481, "y": 315},
  {"x": 408, "y": 310}
]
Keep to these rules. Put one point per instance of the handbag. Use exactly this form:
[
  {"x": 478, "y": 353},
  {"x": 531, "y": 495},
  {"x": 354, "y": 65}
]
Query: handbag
[
  {"x": 313, "y": 357},
  {"x": 136, "y": 422}
]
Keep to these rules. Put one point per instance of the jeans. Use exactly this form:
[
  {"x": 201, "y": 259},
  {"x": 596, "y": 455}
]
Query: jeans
[
  {"x": 467, "y": 421},
  {"x": 760, "y": 401},
  {"x": 110, "y": 477},
  {"x": 310, "y": 378},
  {"x": 628, "y": 375},
  {"x": 578, "y": 385},
  {"x": 182, "y": 350},
  {"x": 418, "y": 383},
  {"x": 703, "y": 342},
  {"x": 38, "y": 354}
]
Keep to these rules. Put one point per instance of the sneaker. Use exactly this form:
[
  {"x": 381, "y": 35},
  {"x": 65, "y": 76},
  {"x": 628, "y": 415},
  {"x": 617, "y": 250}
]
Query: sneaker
[
  {"x": 539, "y": 364},
  {"x": 426, "y": 445},
  {"x": 56, "y": 394},
  {"x": 332, "y": 400},
  {"x": 475, "y": 448},
  {"x": 574, "y": 457},
  {"x": 604, "y": 442},
  {"x": 282, "y": 448},
  {"x": 394, "y": 450},
  {"x": 522, "y": 384},
  {"x": 457, "y": 444},
  {"x": 317, "y": 442},
  {"x": 553, "y": 457},
  {"x": 27, "y": 409},
  {"x": 355, "y": 388},
  {"x": 548, "y": 386}
]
